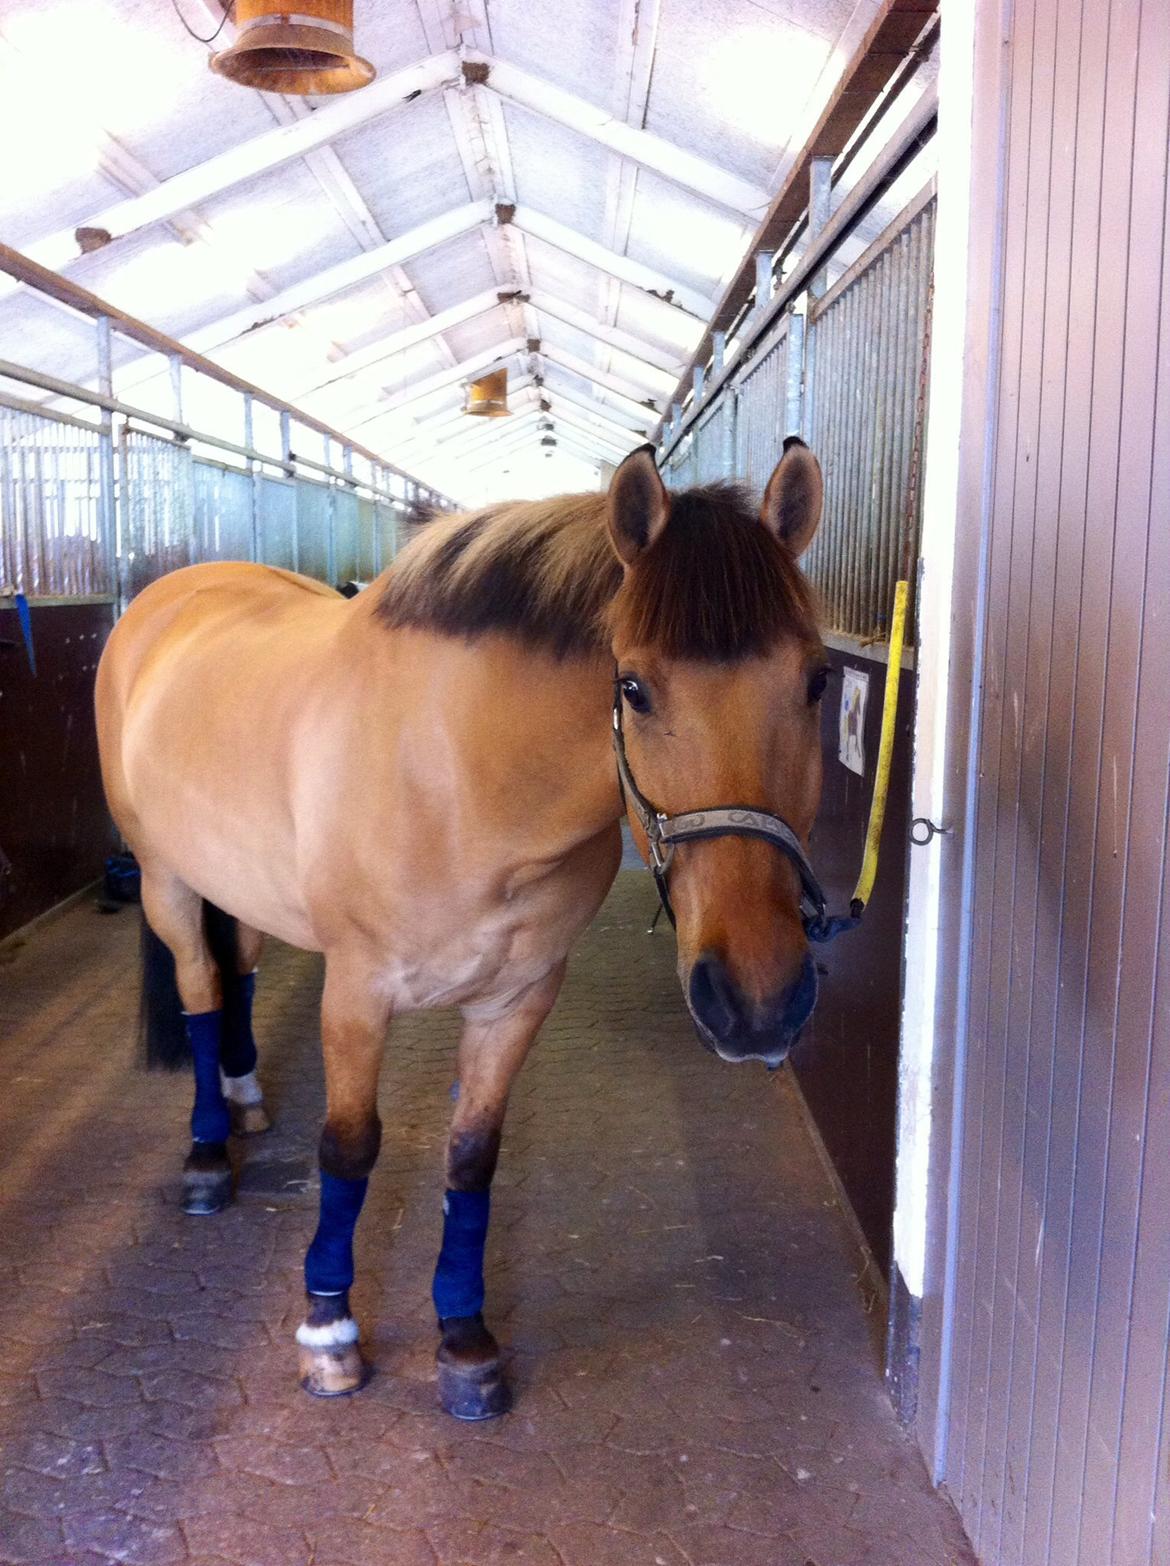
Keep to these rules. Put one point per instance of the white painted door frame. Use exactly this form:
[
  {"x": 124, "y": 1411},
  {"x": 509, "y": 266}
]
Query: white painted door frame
[{"x": 951, "y": 625}]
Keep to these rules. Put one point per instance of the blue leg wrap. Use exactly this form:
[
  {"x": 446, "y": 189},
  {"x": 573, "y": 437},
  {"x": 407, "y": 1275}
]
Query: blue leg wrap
[
  {"x": 458, "y": 1286},
  {"x": 238, "y": 1050},
  {"x": 329, "y": 1261},
  {"x": 209, "y": 1118}
]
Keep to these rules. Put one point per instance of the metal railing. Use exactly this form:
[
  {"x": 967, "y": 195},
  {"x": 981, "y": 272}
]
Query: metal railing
[
  {"x": 99, "y": 496},
  {"x": 843, "y": 368}
]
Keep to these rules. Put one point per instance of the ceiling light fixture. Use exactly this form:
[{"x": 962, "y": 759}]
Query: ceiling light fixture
[{"x": 304, "y": 52}]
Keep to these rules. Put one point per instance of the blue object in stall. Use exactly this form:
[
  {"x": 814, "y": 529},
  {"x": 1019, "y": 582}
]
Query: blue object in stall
[{"x": 24, "y": 615}]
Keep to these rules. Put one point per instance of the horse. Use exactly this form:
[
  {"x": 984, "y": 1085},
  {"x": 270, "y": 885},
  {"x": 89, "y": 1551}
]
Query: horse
[{"x": 420, "y": 783}]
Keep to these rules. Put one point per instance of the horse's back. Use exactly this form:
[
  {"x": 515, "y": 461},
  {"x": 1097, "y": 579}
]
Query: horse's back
[{"x": 204, "y": 685}]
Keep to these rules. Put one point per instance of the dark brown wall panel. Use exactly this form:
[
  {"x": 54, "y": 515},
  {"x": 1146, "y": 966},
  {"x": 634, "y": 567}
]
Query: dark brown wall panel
[
  {"x": 54, "y": 828},
  {"x": 847, "y": 1062}
]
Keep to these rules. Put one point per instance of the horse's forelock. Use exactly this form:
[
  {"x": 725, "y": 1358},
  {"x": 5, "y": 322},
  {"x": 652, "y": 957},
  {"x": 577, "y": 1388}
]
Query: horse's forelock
[{"x": 717, "y": 585}]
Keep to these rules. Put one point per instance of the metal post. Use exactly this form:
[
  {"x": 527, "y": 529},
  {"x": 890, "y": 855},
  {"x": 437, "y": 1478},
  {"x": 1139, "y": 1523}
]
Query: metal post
[
  {"x": 330, "y": 536},
  {"x": 698, "y": 376},
  {"x": 107, "y": 483},
  {"x": 794, "y": 368},
  {"x": 176, "y": 388},
  {"x": 764, "y": 260},
  {"x": 287, "y": 467},
  {"x": 820, "y": 178},
  {"x": 718, "y": 352},
  {"x": 730, "y": 414},
  {"x": 252, "y": 476}
]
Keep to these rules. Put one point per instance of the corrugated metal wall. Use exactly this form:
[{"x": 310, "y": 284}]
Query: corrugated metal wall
[
  {"x": 865, "y": 347},
  {"x": 1059, "y": 1426}
]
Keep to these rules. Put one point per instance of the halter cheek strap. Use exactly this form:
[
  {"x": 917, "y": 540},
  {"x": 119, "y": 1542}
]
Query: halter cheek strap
[{"x": 664, "y": 833}]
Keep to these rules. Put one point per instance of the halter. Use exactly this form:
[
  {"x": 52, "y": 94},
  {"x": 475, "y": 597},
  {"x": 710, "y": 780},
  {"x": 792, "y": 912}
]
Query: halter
[{"x": 664, "y": 833}]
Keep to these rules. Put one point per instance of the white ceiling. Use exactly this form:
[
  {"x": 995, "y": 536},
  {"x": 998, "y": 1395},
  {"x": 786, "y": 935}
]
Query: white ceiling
[{"x": 639, "y": 140}]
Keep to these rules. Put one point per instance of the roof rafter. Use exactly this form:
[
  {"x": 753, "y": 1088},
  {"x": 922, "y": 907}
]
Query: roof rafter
[
  {"x": 614, "y": 337},
  {"x": 646, "y": 278},
  {"x": 333, "y": 280},
  {"x": 467, "y": 370},
  {"x": 660, "y": 375},
  {"x": 333, "y": 177},
  {"x": 481, "y": 140},
  {"x": 616, "y": 435},
  {"x": 619, "y": 440},
  {"x": 623, "y": 389},
  {"x": 637, "y": 36},
  {"x": 612, "y": 415},
  {"x": 531, "y": 408},
  {"x": 525, "y": 437},
  {"x": 407, "y": 337},
  {"x": 693, "y": 173},
  {"x": 255, "y": 156},
  {"x": 260, "y": 315}
]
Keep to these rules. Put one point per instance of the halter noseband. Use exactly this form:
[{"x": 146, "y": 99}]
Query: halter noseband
[{"x": 664, "y": 833}]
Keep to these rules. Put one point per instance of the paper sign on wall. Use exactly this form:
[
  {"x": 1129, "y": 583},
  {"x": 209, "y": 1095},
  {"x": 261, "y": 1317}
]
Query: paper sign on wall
[{"x": 854, "y": 695}]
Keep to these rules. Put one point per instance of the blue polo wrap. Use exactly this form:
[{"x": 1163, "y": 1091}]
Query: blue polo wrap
[
  {"x": 458, "y": 1286},
  {"x": 329, "y": 1260},
  {"x": 238, "y": 1049},
  {"x": 209, "y": 1118}
]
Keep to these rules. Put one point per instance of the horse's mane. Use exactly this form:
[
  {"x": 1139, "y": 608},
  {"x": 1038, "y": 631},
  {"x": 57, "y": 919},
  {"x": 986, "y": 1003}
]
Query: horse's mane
[{"x": 717, "y": 585}]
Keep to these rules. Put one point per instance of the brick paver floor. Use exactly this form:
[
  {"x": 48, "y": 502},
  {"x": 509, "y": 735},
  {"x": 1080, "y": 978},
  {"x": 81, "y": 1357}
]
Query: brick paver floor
[{"x": 696, "y": 1377}]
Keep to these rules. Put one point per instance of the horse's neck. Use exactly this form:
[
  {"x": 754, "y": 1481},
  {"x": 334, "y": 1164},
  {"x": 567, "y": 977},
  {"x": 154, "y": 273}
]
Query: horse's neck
[{"x": 501, "y": 735}]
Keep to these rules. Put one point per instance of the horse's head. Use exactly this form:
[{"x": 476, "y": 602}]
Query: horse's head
[{"x": 720, "y": 673}]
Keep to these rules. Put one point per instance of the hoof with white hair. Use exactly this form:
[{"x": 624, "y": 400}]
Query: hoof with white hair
[
  {"x": 245, "y": 1103},
  {"x": 330, "y": 1362}
]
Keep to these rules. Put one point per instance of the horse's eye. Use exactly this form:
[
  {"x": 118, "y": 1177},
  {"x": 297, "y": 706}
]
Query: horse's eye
[
  {"x": 635, "y": 694},
  {"x": 816, "y": 685}
]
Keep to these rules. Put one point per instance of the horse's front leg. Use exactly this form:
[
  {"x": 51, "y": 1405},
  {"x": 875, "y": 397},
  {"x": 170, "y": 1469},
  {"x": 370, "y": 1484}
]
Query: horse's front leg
[
  {"x": 471, "y": 1381},
  {"x": 354, "y": 1018}
]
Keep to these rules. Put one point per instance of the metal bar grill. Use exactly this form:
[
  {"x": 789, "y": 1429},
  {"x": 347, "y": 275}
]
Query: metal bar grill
[
  {"x": 223, "y": 512},
  {"x": 865, "y": 350},
  {"x": 761, "y": 410},
  {"x": 156, "y": 522},
  {"x": 51, "y": 536}
]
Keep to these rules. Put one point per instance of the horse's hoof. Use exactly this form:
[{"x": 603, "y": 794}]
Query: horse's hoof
[
  {"x": 331, "y": 1364},
  {"x": 207, "y": 1180},
  {"x": 249, "y": 1119},
  {"x": 471, "y": 1377}
]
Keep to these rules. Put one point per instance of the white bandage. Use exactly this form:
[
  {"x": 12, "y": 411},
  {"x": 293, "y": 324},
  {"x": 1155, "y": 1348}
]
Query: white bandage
[{"x": 243, "y": 1090}]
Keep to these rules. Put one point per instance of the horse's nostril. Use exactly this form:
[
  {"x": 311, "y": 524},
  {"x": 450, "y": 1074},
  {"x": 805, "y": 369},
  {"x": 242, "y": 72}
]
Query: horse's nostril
[{"x": 714, "y": 997}]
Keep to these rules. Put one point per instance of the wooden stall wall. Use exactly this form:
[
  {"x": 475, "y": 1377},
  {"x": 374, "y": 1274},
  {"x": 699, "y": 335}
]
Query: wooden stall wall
[
  {"x": 55, "y": 831},
  {"x": 1057, "y": 1432}
]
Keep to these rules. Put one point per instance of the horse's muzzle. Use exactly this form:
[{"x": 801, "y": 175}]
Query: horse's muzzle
[{"x": 736, "y": 1028}]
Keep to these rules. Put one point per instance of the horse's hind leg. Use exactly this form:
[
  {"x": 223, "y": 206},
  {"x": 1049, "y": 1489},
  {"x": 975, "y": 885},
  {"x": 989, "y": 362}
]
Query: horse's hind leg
[
  {"x": 245, "y": 1100},
  {"x": 175, "y": 914},
  {"x": 354, "y": 1018},
  {"x": 471, "y": 1381}
]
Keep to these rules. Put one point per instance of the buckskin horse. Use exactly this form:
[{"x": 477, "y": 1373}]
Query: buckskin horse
[{"x": 425, "y": 783}]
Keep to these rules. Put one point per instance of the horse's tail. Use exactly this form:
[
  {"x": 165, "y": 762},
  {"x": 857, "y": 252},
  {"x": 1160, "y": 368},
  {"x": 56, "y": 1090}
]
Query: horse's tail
[{"x": 162, "y": 1031}]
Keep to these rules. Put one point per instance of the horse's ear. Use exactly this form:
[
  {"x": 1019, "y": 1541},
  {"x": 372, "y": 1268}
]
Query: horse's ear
[
  {"x": 793, "y": 498},
  {"x": 638, "y": 505}
]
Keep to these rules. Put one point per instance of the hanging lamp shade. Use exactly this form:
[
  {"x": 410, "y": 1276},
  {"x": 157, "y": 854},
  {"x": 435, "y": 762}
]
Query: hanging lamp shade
[
  {"x": 488, "y": 397},
  {"x": 304, "y": 51}
]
